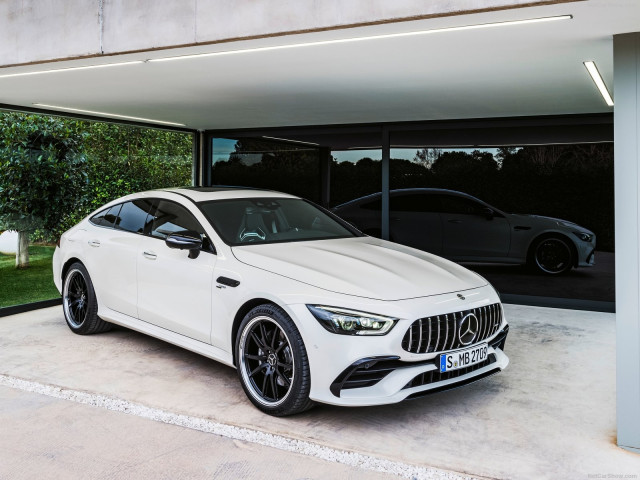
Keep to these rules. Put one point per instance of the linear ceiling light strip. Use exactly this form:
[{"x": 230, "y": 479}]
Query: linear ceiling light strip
[
  {"x": 360, "y": 39},
  {"x": 597, "y": 79},
  {"x": 107, "y": 114},
  {"x": 66, "y": 69}
]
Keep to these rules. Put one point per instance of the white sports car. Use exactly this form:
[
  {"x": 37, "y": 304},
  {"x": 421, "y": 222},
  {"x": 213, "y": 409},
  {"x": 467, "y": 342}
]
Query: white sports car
[
  {"x": 464, "y": 229},
  {"x": 305, "y": 307}
]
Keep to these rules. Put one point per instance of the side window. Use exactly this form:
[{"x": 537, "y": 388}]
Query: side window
[
  {"x": 461, "y": 205},
  {"x": 169, "y": 217},
  {"x": 107, "y": 217},
  {"x": 416, "y": 202},
  {"x": 133, "y": 216}
]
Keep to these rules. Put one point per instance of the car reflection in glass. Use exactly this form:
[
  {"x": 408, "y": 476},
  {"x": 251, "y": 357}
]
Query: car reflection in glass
[{"x": 462, "y": 228}]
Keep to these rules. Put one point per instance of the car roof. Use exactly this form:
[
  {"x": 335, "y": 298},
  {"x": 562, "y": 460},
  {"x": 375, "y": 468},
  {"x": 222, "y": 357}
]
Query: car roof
[
  {"x": 220, "y": 192},
  {"x": 401, "y": 191}
]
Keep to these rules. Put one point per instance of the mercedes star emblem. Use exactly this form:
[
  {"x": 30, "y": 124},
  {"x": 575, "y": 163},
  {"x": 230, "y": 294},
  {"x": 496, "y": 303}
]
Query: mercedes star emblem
[{"x": 468, "y": 329}]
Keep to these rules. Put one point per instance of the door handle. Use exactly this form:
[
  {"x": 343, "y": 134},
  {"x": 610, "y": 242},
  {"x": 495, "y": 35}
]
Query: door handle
[
  {"x": 149, "y": 255},
  {"x": 94, "y": 243},
  {"x": 229, "y": 282},
  {"x": 454, "y": 221}
]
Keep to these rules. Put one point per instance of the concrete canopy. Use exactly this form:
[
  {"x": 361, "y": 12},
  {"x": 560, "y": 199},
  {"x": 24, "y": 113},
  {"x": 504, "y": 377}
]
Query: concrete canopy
[{"x": 514, "y": 70}]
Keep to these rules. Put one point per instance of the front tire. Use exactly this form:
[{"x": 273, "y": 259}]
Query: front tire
[
  {"x": 79, "y": 302},
  {"x": 272, "y": 362},
  {"x": 552, "y": 255}
]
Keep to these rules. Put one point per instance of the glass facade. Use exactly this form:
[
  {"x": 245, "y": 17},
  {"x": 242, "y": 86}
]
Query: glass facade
[
  {"x": 263, "y": 163},
  {"x": 522, "y": 217},
  {"x": 79, "y": 166},
  {"x": 357, "y": 174},
  {"x": 536, "y": 219}
]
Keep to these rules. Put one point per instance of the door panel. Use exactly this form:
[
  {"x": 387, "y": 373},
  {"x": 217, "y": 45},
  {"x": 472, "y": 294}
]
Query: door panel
[
  {"x": 111, "y": 262},
  {"x": 469, "y": 232},
  {"x": 112, "y": 253},
  {"x": 175, "y": 291}
]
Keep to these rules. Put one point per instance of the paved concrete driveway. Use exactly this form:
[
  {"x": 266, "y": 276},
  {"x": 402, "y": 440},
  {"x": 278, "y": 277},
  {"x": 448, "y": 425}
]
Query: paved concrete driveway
[
  {"x": 48, "y": 438},
  {"x": 551, "y": 414}
]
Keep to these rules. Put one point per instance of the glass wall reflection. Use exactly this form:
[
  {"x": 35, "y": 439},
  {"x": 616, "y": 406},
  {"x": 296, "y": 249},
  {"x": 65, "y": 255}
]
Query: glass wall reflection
[
  {"x": 356, "y": 176},
  {"x": 262, "y": 163},
  {"x": 533, "y": 220},
  {"x": 536, "y": 221}
]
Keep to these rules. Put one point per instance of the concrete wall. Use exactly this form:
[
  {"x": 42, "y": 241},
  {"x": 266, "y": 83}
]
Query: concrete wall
[
  {"x": 626, "y": 51},
  {"x": 44, "y": 30}
]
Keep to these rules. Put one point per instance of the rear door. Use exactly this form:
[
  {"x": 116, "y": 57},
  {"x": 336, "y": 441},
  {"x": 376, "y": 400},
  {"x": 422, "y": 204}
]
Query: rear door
[
  {"x": 175, "y": 291},
  {"x": 113, "y": 244}
]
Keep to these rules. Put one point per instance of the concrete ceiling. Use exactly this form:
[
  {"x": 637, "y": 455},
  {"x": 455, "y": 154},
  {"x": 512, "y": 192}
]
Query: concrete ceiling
[{"x": 518, "y": 70}]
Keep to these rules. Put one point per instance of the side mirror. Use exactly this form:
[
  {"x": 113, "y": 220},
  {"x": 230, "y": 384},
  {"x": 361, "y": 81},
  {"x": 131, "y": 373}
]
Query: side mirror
[
  {"x": 487, "y": 212},
  {"x": 185, "y": 240}
]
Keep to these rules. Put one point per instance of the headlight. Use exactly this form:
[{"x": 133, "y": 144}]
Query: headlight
[
  {"x": 564, "y": 223},
  {"x": 585, "y": 237},
  {"x": 351, "y": 322}
]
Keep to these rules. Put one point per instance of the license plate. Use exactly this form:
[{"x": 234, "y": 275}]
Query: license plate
[{"x": 463, "y": 358}]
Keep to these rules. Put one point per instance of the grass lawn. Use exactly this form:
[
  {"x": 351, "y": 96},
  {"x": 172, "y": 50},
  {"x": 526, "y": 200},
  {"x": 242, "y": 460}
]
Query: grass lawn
[{"x": 31, "y": 284}]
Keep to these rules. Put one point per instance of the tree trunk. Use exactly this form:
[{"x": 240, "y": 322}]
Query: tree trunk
[{"x": 22, "y": 255}]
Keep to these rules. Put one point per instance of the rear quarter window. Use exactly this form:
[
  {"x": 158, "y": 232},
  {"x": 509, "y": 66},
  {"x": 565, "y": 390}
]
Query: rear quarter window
[
  {"x": 133, "y": 216},
  {"x": 107, "y": 217}
]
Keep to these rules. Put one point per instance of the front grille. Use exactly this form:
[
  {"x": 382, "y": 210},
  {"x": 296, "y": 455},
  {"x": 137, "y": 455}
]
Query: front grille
[
  {"x": 435, "y": 376},
  {"x": 439, "y": 333}
]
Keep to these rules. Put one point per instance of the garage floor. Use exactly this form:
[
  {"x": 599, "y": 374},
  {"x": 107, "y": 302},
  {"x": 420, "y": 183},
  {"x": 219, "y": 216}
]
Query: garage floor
[{"x": 551, "y": 414}]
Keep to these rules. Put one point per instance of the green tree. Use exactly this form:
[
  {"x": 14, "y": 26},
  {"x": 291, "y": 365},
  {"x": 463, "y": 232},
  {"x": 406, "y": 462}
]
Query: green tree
[
  {"x": 123, "y": 159},
  {"x": 42, "y": 175},
  {"x": 427, "y": 156}
]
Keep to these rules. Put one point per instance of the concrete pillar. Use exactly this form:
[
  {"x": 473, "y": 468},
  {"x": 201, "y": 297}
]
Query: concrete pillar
[{"x": 626, "y": 49}]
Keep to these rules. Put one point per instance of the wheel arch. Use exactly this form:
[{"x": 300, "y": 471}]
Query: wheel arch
[
  {"x": 554, "y": 234},
  {"x": 67, "y": 265},
  {"x": 240, "y": 314}
]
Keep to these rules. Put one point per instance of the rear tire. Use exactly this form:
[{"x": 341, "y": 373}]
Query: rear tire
[
  {"x": 272, "y": 362},
  {"x": 79, "y": 302}
]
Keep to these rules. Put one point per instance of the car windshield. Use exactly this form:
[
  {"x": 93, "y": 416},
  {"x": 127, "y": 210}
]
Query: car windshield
[{"x": 242, "y": 221}]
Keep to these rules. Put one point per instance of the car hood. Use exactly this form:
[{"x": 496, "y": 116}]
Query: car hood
[
  {"x": 544, "y": 221},
  {"x": 363, "y": 266}
]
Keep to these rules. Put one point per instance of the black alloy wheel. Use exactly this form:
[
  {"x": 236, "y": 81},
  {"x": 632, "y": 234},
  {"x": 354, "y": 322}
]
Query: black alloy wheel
[
  {"x": 76, "y": 298},
  {"x": 272, "y": 362},
  {"x": 79, "y": 302},
  {"x": 553, "y": 256}
]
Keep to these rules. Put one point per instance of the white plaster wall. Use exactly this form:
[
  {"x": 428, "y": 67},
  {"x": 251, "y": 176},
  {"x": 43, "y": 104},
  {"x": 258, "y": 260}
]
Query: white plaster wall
[
  {"x": 33, "y": 30},
  {"x": 41, "y": 30}
]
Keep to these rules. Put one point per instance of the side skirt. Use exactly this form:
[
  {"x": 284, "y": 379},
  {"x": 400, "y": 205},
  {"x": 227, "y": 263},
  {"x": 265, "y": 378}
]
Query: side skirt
[{"x": 168, "y": 336}]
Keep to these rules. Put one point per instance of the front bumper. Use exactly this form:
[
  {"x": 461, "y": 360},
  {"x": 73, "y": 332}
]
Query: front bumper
[
  {"x": 338, "y": 363},
  {"x": 369, "y": 372},
  {"x": 586, "y": 253}
]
